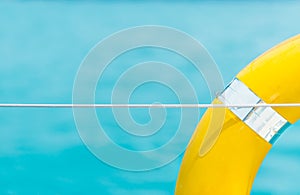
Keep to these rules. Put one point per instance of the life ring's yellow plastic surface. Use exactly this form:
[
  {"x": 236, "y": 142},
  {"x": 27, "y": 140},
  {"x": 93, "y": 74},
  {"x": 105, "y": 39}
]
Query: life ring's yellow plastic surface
[{"x": 230, "y": 166}]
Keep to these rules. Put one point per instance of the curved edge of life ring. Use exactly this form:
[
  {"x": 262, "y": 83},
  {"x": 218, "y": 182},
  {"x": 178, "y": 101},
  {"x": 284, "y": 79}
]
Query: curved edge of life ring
[{"x": 247, "y": 134}]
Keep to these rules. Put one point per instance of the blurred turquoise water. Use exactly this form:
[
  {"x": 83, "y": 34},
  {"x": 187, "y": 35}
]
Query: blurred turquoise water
[{"x": 41, "y": 47}]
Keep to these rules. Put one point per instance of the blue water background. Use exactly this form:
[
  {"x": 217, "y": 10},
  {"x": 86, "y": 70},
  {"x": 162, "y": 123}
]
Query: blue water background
[{"x": 41, "y": 47}]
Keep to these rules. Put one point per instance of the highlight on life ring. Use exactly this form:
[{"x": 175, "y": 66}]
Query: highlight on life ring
[{"x": 230, "y": 165}]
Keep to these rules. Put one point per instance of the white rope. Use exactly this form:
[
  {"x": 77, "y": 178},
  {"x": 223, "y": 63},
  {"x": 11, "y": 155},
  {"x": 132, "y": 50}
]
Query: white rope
[{"x": 147, "y": 105}]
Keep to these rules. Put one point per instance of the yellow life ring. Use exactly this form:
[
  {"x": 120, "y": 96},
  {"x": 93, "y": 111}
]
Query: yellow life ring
[{"x": 247, "y": 134}]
